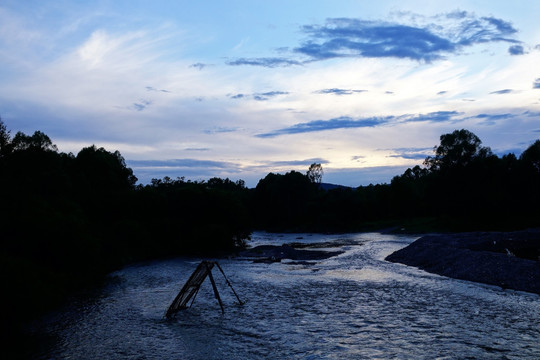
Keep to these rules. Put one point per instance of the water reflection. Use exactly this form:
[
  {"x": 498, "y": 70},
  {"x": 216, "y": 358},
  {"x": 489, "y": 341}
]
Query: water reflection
[{"x": 351, "y": 306}]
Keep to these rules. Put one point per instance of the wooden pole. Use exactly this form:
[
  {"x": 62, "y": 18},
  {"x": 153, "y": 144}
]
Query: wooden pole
[
  {"x": 215, "y": 288},
  {"x": 228, "y": 283},
  {"x": 190, "y": 289},
  {"x": 194, "y": 296}
]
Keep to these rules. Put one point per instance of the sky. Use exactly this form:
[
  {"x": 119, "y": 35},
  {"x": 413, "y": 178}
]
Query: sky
[{"x": 239, "y": 89}]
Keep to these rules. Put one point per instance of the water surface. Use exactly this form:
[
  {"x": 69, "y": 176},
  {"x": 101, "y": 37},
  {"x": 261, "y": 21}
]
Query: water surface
[{"x": 352, "y": 306}]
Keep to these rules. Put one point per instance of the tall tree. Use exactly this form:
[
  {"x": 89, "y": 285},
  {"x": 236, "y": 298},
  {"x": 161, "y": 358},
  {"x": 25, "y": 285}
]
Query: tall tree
[
  {"x": 283, "y": 201},
  {"x": 315, "y": 173},
  {"x": 105, "y": 170},
  {"x": 531, "y": 156},
  {"x": 458, "y": 148},
  {"x": 37, "y": 141},
  {"x": 5, "y": 139}
]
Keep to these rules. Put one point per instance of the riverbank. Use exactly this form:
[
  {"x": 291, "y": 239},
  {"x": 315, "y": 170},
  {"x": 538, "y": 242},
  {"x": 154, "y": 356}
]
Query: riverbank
[
  {"x": 293, "y": 251},
  {"x": 506, "y": 259}
]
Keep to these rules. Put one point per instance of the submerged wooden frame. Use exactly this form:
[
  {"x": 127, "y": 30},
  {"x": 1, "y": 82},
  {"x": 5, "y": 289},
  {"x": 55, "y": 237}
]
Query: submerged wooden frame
[{"x": 191, "y": 288}]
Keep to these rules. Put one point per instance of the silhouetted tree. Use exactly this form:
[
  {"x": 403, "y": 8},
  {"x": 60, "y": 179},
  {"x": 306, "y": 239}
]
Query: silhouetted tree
[
  {"x": 37, "y": 142},
  {"x": 409, "y": 192},
  {"x": 529, "y": 179},
  {"x": 531, "y": 156},
  {"x": 456, "y": 149},
  {"x": 5, "y": 139},
  {"x": 284, "y": 202},
  {"x": 225, "y": 184},
  {"x": 315, "y": 173},
  {"x": 102, "y": 169}
]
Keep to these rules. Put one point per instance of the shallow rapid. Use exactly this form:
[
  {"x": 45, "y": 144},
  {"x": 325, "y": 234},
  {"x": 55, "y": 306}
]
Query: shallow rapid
[{"x": 351, "y": 306}]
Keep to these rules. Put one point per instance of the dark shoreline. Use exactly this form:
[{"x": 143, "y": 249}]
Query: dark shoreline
[{"x": 506, "y": 259}]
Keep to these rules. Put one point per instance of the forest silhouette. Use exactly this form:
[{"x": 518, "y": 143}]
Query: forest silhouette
[{"x": 67, "y": 220}]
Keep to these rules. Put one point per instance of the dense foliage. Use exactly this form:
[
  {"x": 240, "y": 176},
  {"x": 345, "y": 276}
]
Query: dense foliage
[
  {"x": 464, "y": 186},
  {"x": 66, "y": 220}
]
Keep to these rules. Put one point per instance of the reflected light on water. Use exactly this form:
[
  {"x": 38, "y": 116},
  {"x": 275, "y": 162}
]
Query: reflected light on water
[{"x": 352, "y": 306}]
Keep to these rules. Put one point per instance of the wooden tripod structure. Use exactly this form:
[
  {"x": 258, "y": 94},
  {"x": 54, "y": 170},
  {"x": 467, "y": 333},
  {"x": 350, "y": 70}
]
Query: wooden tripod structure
[{"x": 192, "y": 286}]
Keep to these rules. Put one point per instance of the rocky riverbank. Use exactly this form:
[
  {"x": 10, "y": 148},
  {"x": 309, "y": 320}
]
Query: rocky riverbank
[
  {"x": 510, "y": 260},
  {"x": 273, "y": 253}
]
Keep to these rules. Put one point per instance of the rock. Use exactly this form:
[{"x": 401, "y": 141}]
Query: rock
[
  {"x": 271, "y": 253},
  {"x": 480, "y": 257}
]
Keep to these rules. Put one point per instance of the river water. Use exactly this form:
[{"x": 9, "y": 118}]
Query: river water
[{"x": 352, "y": 306}]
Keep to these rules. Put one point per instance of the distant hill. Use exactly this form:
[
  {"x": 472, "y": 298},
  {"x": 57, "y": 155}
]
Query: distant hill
[{"x": 327, "y": 186}]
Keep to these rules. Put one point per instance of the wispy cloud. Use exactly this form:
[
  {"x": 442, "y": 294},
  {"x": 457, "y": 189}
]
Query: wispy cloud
[
  {"x": 359, "y": 38},
  {"x": 270, "y": 62},
  {"x": 323, "y": 125},
  {"x": 345, "y": 122},
  {"x": 182, "y": 163},
  {"x": 264, "y": 96},
  {"x": 141, "y": 105},
  {"x": 345, "y": 37},
  {"x": 220, "y": 129},
  {"x": 536, "y": 84},
  {"x": 502, "y": 92},
  {"x": 494, "y": 116},
  {"x": 294, "y": 163},
  {"x": 336, "y": 91},
  {"x": 151, "y": 88},
  {"x": 418, "y": 38},
  {"x": 516, "y": 50},
  {"x": 267, "y": 95},
  {"x": 198, "y": 66},
  {"x": 437, "y": 116},
  {"x": 492, "y": 119},
  {"x": 411, "y": 153},
  {"x": 197, "y": 149},
  {"x": 531, "y": 113}
]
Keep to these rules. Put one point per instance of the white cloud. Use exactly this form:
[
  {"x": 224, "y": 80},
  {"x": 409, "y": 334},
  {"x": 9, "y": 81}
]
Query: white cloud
[{"x": 95, "y": 90}]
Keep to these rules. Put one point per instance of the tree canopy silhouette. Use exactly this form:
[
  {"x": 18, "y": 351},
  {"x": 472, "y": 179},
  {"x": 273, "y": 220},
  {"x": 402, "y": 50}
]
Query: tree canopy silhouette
[
  {"x": 67, "y": 220},
  {"x": 5, "y": 139},
  {"x": 458, "y": 148},
  {"x": 36, "y": 142},
  {"x": 531, "y": 156},
  {"x": 315, "y": 173},
  {"x": 284, "y": 201},
  {"x": 104, "y": 170}
]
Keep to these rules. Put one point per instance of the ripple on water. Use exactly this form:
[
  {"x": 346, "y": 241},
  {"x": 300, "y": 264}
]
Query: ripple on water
[{"x": 351, "y": 306}]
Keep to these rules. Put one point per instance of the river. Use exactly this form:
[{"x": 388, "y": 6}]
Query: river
[{"x": 352, "y": 306}]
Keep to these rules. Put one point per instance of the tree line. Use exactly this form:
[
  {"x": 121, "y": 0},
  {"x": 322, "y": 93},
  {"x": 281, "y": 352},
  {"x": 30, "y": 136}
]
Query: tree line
[
  {"x": 66, "y": 220},
  {"x": 464, "y": 186}
]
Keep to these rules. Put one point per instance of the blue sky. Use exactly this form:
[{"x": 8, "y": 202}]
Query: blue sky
[{"x": 239, "y": 89}]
